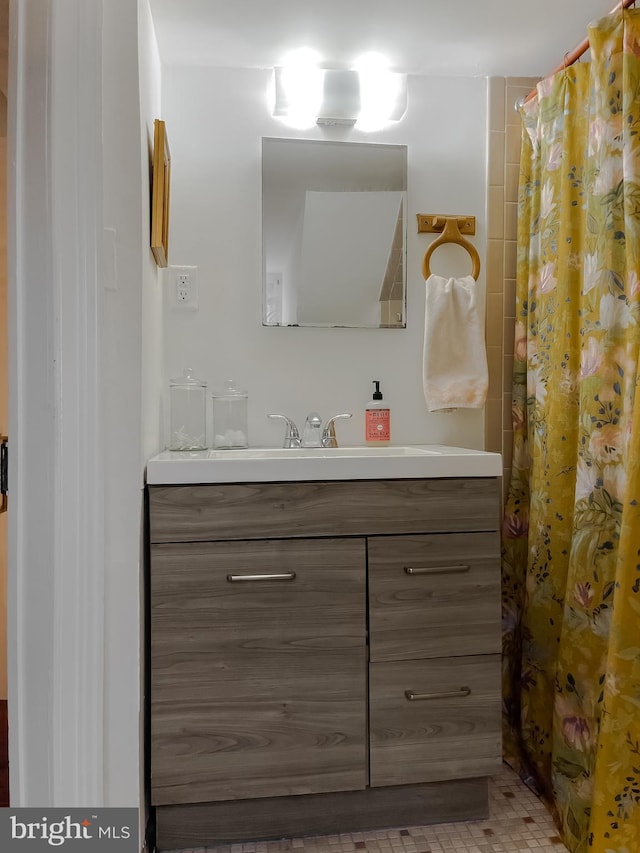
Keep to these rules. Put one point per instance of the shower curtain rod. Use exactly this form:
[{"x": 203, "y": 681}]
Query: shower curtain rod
[{"x": 573, "y": 55}]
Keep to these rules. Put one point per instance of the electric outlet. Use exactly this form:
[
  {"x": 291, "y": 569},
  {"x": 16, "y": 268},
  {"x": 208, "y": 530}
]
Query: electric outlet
[{"x": 185, "y": 288}]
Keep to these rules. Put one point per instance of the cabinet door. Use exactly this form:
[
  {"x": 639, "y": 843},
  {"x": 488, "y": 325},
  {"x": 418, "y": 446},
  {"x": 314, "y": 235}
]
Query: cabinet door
[
  {"x": 258, "y": 669},
  {"x": 435, "y": 719},
  {"x": 434, "y": 595}
]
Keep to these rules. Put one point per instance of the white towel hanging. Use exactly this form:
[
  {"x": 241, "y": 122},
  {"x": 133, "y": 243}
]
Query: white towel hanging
[{"x": 455, "y": 373}]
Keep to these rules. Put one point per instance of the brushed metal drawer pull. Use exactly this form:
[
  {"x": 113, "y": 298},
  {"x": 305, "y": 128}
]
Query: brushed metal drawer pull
[
  {"x": 284, "y": 576},
  {"x": 436, "y": 570},
  {"x": 446, "y": 694}
]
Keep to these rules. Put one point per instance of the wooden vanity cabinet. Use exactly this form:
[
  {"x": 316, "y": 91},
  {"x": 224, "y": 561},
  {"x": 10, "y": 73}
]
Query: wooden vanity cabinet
[
  {"x": 325, "y": 656},
  {"x": 258, "y": 662}
]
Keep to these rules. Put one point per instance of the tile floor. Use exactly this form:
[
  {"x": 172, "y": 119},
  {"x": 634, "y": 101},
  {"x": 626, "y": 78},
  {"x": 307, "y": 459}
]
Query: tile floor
[{"x": 518, "y": 823}]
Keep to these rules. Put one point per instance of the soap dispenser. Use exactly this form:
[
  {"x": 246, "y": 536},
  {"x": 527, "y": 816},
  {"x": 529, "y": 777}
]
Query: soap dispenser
[{"x": 377, "y": 419}]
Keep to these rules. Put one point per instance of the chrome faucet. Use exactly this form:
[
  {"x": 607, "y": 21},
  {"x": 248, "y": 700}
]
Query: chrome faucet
[
  {"x": 329, "y": 432},
  {"x": 311, "y": 434},
  {"x": 291, "y": 435}
]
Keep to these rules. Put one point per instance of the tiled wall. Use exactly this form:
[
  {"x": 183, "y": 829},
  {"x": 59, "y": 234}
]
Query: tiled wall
[{"x": 504, "y": 128}]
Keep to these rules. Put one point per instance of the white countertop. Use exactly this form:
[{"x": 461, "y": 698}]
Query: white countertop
[{"x": 263, "y": 465}]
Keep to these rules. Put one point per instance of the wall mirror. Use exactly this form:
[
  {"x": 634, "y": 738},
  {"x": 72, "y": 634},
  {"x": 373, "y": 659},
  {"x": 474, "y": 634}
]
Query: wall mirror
[{"x": 333, "y": 234}]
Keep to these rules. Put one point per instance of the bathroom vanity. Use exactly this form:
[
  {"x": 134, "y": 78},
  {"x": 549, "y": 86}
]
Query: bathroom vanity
[{"x": 325, "y": 653}]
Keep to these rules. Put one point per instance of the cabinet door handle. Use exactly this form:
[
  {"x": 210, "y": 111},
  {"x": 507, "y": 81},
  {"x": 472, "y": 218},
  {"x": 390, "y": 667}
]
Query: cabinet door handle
[
  {"x": 283, "y": 576},
  {"x": 446, "y": 694},
  {"x": 436, "y": 570}
]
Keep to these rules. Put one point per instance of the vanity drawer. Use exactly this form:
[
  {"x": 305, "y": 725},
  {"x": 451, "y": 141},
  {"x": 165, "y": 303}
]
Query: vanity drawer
[
  {"x": 238, "y": 593},
  {"x": 450, "y": 729},
  {"x": 258, "y": 669},
  {"x": 337, "y": 508},
  {"x": 434, "y": 595}
]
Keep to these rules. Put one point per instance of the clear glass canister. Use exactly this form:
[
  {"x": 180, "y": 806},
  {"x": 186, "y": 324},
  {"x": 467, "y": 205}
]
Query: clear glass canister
[
  {"x": 230, "y": 417},
  {"x": 188, "y": 412}
]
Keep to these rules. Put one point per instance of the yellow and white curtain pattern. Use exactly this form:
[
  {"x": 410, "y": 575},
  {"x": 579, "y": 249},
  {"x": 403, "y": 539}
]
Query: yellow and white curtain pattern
[{"x": 571, "y": 567}]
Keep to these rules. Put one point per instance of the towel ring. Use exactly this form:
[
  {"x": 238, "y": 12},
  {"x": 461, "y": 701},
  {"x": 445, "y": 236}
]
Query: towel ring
[{"x": 451, "y": 234}]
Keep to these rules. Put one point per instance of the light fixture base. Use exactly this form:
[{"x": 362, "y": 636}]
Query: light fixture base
[{"x": 325, "y": 121}]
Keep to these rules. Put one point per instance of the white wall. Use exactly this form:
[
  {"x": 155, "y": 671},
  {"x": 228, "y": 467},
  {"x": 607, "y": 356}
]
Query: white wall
[
  {"x": 132, "y": 382},
  {"x": 152, "y": 306},
  {"x": 152, "y": 303},
  {"x": 122, "y": 394},
  {"x": 215, "y": 121}
]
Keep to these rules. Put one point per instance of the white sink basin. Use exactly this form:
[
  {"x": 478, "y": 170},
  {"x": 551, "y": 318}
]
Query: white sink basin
[
  {"x": 322, "y": 452},
  {"x": 319, "y": 463}
]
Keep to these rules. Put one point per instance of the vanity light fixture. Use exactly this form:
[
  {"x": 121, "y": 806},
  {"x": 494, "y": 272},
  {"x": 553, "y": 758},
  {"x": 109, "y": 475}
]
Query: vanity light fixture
[
  {"x": 383, "y": 93},
  {"x": 368, "y": 96},
  {"x": 299, "y": 86}
]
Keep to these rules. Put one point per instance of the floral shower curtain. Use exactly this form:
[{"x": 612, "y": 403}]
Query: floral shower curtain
[{"x": 571, "y": 565}]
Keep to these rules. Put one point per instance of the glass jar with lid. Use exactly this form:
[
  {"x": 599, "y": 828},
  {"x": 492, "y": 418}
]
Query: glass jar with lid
[
  {"x": 188, "y": 412},
  {"x": 230, "y": 410}
]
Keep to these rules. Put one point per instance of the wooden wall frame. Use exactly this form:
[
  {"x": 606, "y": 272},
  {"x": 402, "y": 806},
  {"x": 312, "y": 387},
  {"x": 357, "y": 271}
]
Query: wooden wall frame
[{"x": 161, "y": 184}]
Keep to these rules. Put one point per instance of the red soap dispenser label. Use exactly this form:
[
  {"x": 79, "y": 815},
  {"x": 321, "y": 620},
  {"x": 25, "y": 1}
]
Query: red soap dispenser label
[{"x": 378, "y": 425}]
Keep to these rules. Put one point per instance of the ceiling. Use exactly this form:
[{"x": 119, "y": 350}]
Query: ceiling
[{"x": 433, "y": 37}]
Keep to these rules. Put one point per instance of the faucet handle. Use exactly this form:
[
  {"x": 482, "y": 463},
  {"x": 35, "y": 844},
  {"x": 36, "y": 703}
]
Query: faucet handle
[
  {"x": 329, "y": 432},
  {"x": 291, "y": 435}
]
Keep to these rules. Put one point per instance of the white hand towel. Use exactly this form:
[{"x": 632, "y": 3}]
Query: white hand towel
[{"x": 455, "y": 373}]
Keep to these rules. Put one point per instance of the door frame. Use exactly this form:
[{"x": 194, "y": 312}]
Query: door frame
[{"x": 56, "y": 514}]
